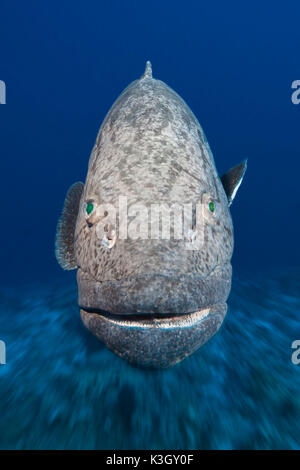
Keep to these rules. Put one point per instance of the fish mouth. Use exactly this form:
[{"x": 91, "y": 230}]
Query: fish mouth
[
  {"x": 143, "y": 321},
  {"x": 154, "y": 320},
  {"x": 152, "y": 341}
]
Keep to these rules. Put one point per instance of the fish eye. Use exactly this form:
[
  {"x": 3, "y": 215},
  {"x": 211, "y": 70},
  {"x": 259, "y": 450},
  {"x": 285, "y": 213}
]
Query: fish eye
[
  {"x": 89, "y": 208},
  {"x": 211, "y": 206},
  {"x": 93, "y": 211}
]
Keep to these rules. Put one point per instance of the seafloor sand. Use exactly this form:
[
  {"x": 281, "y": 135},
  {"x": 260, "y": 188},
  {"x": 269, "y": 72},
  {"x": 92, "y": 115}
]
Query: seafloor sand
[{"x": 62, "y": 389}]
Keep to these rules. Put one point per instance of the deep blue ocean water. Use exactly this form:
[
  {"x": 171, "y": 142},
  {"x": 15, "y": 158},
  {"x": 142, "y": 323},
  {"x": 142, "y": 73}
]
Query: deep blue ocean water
[{"x": 64, "y": 63}]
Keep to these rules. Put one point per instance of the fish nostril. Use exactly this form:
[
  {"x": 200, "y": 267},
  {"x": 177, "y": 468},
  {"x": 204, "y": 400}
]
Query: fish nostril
[
  {"x": 108, "y": 241},
  {"x": 191, "y": 235},
  {"x": 110, "y": 237}
]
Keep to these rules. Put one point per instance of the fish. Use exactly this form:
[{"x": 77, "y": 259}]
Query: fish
[{"x": 150, "y": 231}]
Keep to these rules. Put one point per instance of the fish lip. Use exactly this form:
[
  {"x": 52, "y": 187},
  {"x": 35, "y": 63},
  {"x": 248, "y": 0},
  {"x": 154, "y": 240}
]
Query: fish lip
[
  {"x": 163, "y": 321},
  {"x": 154, "y": 293}
]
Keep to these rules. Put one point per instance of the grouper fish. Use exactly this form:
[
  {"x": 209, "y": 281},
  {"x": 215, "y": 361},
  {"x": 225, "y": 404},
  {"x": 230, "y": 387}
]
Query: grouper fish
[{"x": 151, "y": 298}]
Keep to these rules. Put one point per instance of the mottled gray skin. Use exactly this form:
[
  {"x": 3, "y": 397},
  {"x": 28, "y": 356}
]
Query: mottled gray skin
[{"x": 140, "y": 296}]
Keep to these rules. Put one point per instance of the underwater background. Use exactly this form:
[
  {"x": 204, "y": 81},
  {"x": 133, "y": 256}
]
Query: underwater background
[{"x": 64, "y": 63}]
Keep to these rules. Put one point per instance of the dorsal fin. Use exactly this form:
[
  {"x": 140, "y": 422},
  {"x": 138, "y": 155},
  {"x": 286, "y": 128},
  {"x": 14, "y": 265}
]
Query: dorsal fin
[
  {"x": 148, "y": 70},
  {"x": 64, "y": 241}
]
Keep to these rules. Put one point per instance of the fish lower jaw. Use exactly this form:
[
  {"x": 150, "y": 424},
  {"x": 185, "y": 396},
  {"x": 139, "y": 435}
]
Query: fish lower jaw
[{"x": 153, "y": 342}]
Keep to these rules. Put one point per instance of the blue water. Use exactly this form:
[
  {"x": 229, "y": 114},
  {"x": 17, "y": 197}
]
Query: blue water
[{"x": 64, "y": 63}]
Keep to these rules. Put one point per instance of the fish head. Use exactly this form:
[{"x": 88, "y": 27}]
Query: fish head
[{"x": 153, "y": 236}]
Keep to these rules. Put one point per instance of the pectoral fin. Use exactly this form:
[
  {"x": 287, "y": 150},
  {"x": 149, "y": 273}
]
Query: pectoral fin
[
  {"x": 64, "y": 241},
  {"x": 232, "y": 179}
]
